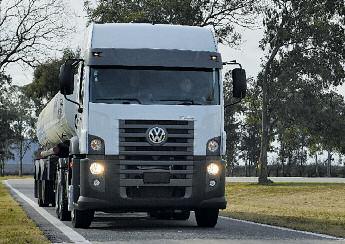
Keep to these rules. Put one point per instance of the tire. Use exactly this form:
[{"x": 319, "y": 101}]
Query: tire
[
  {"x": 82, "y": 219},
  {"x": 182, "y": 215},
  {"x": 206, "y": 217},
  {"x": 36, "y": 189},
  {"x": 40, "y": 195},
  {"x": 61, "y": 201},
  {"x": 48, "y": 193}
]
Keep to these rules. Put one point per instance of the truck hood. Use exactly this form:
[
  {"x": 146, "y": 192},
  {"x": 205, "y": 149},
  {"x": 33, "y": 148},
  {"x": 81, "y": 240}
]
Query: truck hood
[{"x": 104, "y": 121}]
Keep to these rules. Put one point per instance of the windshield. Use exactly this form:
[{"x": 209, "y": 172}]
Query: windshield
[{"x": 146, "y": 85}]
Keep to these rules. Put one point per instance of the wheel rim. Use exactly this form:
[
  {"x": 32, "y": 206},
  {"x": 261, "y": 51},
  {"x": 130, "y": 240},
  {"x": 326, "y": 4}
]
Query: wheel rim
[
  {"x": 73, "y": 215},
  {"x": 59, "y": 205}
]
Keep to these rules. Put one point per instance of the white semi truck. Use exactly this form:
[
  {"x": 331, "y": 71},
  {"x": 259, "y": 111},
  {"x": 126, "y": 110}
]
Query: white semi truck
[{"x": 138, "y": 125}]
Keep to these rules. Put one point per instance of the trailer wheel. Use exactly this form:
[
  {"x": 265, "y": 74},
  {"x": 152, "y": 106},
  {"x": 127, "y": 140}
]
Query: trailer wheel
[
  {"x": 61, "y": 202},
  {"x": 36, "y": 189},
  {"x": 48, "y": 190},
  {"x": 182, "y": 215},
  {"x": 206, "y": 217},
  {"x": 41, "y": 199},
  {"x": 82, "y": 219}
]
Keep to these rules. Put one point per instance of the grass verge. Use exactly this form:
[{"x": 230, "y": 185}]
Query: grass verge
[
  {"x": 13, "y": 177},
  {"x": 303, "y": 206},
  {"x": 15, "y": 225}
]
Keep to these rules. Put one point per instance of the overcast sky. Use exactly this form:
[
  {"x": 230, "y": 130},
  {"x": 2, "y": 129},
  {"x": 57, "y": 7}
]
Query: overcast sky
[{"x": 248, "y": 53}]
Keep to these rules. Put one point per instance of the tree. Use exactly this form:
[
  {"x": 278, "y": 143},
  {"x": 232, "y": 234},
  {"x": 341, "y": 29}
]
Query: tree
[
  {"x": 298, "y": 34},
  {"x": 6, "y": 117},
  {"x": 45, "y": 84},
  {"x": 232, "y": 125},
  {"x": 28, "y": 29},
  {"x": 250, "y": 131},
  {"x": 23, "y": 124},
  {"x": 223, "y": 15}
]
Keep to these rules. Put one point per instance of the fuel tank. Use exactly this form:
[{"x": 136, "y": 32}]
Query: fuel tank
[{"x": 56, "y": 122}]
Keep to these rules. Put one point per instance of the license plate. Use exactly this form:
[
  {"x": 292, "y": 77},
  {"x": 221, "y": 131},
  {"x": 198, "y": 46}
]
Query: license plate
[{"x": 157, "y": 178}]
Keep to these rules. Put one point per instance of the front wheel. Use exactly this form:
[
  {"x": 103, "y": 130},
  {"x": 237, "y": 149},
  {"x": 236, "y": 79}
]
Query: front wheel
[
  {"x": 206, "y": 217},
  {"x": 61, "y": 201},
  {"x": 61, "y": 205},
  {"x": 82, "y": 219}
]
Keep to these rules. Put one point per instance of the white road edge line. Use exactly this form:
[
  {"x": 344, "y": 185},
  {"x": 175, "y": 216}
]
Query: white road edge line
[
  {"x": 74, "y": 236},
  {"x": 285, "y": 229}
]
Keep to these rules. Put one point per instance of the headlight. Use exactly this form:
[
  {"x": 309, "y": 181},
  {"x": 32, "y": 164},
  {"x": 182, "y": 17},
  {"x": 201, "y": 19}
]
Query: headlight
[
  {"x": 96, "y": 168},
  {"x": 213, "y": 169},
  {"x": 213, "y": 146},
  {"x": 96, "y": 144}
]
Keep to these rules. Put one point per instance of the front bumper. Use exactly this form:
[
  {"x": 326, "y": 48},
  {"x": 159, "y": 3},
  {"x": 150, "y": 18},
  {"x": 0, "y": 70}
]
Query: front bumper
[{"x": 118, "y": 192}]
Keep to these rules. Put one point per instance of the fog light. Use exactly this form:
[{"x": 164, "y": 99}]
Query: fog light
[
  {"x": 213, "y": 183},
  {"x": 96, "y": 182},
  {"x": 213, "y": 146},
  {"x": 96, "y": 169},
  {"x": 96, "y": 144},
  {"x": 213, "y": 169}
]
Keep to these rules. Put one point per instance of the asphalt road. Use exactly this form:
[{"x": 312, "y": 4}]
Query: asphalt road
[{"x": 138, "y": 228}]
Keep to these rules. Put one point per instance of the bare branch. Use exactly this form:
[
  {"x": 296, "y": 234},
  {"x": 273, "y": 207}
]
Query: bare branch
[{"x": 29, "y": 29}]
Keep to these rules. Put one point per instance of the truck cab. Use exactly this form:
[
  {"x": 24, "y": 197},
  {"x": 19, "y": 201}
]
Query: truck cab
[{"x": 138, "y": 126}]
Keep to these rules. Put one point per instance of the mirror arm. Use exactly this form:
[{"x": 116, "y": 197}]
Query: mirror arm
[
  {"x": 232, "y": 104},
  {"x": 233, "y": 62},
  {"x": 75, "y": 63},
  {"x": 80, "y": 109}
]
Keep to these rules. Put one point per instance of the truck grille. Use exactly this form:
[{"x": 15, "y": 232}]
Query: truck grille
[{"x": 167, "y": 167}]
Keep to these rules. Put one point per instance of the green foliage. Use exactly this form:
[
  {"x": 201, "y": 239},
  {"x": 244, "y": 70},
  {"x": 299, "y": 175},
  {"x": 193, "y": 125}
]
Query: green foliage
[
  {"x": 17, "y": 120},
  {"x": 46, "y": 80},
  {"x": 23, "y": 123},
  {"x": 232, "y": 125},
  {"x": 304, "y": 41},
  {"x": 6, "y": 117},
  {"x": 251, "y": 128}
]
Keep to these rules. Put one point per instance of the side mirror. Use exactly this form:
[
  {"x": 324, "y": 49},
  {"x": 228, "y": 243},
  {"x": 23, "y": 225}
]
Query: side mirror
[
  {"x": 239, "y": 83},
  {"x": 66, "y": 78}
]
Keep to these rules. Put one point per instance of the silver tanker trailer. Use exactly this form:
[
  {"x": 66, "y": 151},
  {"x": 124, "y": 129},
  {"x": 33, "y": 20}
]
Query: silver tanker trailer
[{"x": 138, "y": 125}]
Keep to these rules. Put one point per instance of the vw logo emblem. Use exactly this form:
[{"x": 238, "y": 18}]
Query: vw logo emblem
[{"x": 157, "y": 135}]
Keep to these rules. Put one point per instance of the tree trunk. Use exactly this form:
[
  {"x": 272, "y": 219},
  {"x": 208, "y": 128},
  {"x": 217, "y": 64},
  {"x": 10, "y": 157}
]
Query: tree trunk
[
  {"x": 329, "y": 163},
  {"x": 316, "y": 167},
  {"x": 264, "y": 138},
  {"x": 2, "y": 168},
  {"x": 288, "y": 166},
  {"x": 21, "y": 158},
  {"x": 263, "y": 178},
  {"x": 245, "y": 169}
]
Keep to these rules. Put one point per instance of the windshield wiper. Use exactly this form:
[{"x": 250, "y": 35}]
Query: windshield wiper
[
  {"x": 181, "y": 101},
  {"x": 125, "y": 100}
]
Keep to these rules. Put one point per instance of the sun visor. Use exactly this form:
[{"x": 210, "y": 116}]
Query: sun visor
[{"x": 154, "y": 58}]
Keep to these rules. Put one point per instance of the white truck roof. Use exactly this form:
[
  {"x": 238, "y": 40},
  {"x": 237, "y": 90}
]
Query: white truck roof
[{"x": 149, "y": 36}]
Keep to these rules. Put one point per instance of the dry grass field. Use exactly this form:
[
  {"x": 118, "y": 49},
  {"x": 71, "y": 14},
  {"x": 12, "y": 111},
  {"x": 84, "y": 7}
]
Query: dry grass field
[
  {"x": 304, "y": 206},
  {"x": 15, "y": 226}
]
